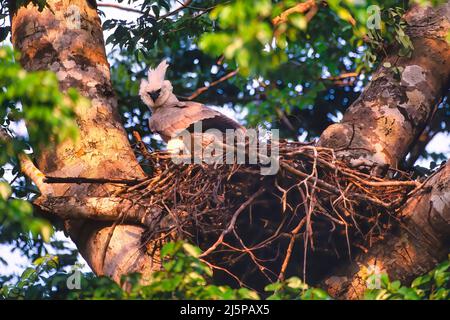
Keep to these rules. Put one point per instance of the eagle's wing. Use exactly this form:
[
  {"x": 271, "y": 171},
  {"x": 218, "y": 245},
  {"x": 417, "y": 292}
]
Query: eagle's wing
[{"x": 170, "y": 121}]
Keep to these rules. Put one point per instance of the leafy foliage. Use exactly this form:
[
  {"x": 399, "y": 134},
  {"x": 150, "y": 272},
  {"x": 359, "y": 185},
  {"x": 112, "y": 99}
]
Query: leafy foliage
[
  {"x": 34, "y": 98},
  {"x": 435, "y": 285},
  {"x": 295, "y": 289},
  {"x": 185, "y": 276}
]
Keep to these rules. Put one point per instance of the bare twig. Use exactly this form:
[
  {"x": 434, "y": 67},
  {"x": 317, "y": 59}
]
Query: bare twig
[
  {"x": 119, "y": 7},
  {"x": 141, "y": 144},
  {"x": 199, "y": 91},
  {"x": 184, "y": 5},
  {"x": 232, "y": 222}
]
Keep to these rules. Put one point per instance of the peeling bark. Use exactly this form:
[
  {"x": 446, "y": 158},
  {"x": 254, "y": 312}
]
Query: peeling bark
[
  {"x": 394, "y": 108},
  {"x": 422, "y": 242},
  {"x": 74, "y": 49},
  {"x": 386, "y": 119}
]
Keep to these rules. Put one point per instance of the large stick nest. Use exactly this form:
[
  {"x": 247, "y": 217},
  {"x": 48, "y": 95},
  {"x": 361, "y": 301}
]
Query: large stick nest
[{"x": 269, "y": 226}]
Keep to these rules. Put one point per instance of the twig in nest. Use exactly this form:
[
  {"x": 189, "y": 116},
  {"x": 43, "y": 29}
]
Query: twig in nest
[
  {"x": 232, "y": 222},
  {"x": 320, "y": 183},
  {"x": 289, "y": 249},
  {"x": 141, "y": 145}
]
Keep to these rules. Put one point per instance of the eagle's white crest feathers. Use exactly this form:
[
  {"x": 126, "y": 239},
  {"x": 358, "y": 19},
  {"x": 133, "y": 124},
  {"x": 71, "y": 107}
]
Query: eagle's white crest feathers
[
  {"x": 169, "y": 115},
  {"x": 158, "y": 74}
]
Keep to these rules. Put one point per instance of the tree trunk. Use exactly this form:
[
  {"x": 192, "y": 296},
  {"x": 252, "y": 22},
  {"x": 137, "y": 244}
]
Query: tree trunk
[
  {"x": 380, "y": 127},
  {"x": 382, "y": 124},
  {"x": 421, "y": 243},
  {"x": 68, "y": 39}
]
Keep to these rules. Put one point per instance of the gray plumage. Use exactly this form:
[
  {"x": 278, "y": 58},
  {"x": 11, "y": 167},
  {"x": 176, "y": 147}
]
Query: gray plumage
[
  {"x": 171, "y": 116},
  {"x": 171, "y": 120}
]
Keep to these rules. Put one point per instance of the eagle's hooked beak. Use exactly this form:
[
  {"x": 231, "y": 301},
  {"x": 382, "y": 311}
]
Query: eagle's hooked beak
[{"x": 154, "y": 94}]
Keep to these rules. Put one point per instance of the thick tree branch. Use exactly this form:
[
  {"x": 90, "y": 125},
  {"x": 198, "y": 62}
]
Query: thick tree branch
[
  {"x": 378, "y": 129},
  {"x": 50, "y": 40},
  {"x": 417, "y": 247},
  {"x": 101, "y": 208},
  {"x": 383, "y": 122}
]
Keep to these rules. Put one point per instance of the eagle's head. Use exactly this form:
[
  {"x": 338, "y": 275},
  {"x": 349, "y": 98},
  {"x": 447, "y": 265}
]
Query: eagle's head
[{"x": 155, "y": 91}]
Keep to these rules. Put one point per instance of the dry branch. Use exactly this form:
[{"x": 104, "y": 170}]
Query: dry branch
[
  {"x": 212, "y": 84},
  {"x": 79, "y": 180},
  {"x": 298, "y": 8},
  {"x": 129, "y": 9}
]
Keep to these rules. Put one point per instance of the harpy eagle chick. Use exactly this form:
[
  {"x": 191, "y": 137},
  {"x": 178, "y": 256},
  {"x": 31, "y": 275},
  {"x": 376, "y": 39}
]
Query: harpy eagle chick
[{"x": 170, "y": 116}]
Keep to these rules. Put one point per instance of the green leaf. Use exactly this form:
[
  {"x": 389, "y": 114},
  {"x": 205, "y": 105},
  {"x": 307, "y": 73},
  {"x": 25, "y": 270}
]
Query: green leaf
[
  {"x": 5, "y": 191},
  {"x": 245, "y": 293},
  {"x": 298, "y": 21},
  {"x": 273, "y": 286},
  {"x": 168, "y": 249},
  {"x": 192, "y": 250}
]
